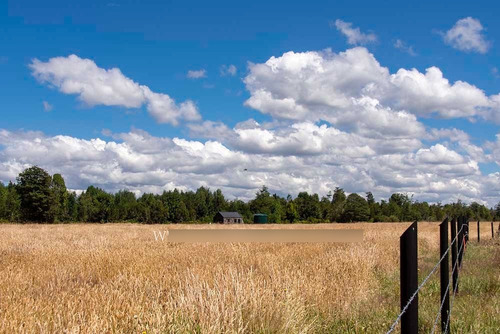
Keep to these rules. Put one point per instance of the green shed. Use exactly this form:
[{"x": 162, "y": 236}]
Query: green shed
[{"x": 260, "y": 218}]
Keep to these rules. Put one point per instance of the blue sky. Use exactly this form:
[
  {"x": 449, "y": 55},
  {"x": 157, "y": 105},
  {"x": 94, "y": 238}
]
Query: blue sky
[{"x": 156, "y": 43}]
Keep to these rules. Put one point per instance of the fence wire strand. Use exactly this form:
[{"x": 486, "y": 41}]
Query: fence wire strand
[
  {"x": 454, "y": 294},
  {"x": 421, "y": 285},
  {"x": 447, "y": 289}
]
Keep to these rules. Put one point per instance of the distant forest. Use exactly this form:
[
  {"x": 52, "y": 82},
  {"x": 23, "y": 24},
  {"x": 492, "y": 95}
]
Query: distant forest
[{"x": 39, "y": 197}]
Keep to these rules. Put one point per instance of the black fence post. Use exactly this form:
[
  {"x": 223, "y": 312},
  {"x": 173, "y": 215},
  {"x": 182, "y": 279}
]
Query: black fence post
[
  {"x": 444, "y": 271},
  {"x": 478, "y": 232},
  {"x": 466, "y": 230},
  {"x": 492, "y": 232},
  {"x": 409, "y": 279},
  {"x": 454, "y": 252},
  {"x": 460, "y": 240}
]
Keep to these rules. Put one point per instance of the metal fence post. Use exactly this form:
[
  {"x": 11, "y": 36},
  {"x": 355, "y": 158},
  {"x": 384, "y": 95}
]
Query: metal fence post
[
  {"x": 444, "y": 273},
  {"x": 409, "y": 279},
  {"x": 460, "y": 240},
  {"x": 492, "y": 232},
  {"x": 454, "y": 252},
  {"x": 478, "y": 232},
  {"x": 466, "y": 230}
]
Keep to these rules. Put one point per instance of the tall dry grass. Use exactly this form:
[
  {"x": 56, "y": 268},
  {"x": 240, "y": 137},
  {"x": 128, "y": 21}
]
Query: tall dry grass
[{"x": 115, "y": 278}]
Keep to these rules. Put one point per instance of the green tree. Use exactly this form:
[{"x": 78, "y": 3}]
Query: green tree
[
  {"x": 403, "y": 203},
  {"x": 356, "y": 209},
  {"x": 497, "y": 211},
  {"x": 72, "y": 207},
  {"x": 124, "y": 206},
  {"x": 338, "y": 202},
  {"x": 59, "y": 208},
  {"x": 291, "y": 213},
  {"x": 479, "y": 211},
  {"x": 325, "y": 206},
  {"x": 374, "y": 206},
  {"x": 219, "y": 202},
  {"x": 12, "y": 203},
  {"x": 202, "y": 204},
  {"x": 3, "y": 198},
  {"x": 34, "y": 188},
  {"x": 308, "y": 206},
  {"x": 369, "y": 198},
  {"x": 95, "y": 205},
  {"x": 263, "y": 202},
  {"x": 181, "y": 213},
  {"x": 276, "y": 210},
  {"x": 152, "y": 209}
]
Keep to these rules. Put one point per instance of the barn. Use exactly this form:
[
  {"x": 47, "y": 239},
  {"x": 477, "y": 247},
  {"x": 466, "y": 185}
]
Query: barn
[{"x": 228, "y": 218}]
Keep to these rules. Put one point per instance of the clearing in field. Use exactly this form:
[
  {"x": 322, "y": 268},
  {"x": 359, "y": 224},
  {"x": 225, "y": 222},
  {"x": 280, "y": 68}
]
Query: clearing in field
[{"x": 86, "y": 278}]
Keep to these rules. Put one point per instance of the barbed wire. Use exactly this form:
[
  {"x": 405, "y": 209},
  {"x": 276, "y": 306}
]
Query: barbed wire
[
  {"x": 421, "y": 285},
  {"x": 447, "y": 289}
]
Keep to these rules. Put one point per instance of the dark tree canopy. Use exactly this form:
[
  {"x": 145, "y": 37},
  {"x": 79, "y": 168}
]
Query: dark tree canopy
[
  {"x": 34, "y": 189},
  {"x": 38, "y": 197},
  {"x": 356, "y": 209}
]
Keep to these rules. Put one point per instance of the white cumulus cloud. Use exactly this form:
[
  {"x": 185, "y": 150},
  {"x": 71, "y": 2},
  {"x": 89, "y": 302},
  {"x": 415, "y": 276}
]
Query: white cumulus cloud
[
  {"x": 304, "y": 156},
  {"x": 352, "y": 88},
  {"x": 98, "y": 86},
  {"x": 467, "y": 35}
]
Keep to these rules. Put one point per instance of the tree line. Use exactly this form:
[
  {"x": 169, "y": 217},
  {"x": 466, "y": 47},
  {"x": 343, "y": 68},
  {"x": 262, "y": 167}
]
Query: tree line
[{"x": 37, "y": 196}]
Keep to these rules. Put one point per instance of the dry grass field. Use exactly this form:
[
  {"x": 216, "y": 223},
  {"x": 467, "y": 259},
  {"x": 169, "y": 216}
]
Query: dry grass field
[{"x": 115, "y": 278}]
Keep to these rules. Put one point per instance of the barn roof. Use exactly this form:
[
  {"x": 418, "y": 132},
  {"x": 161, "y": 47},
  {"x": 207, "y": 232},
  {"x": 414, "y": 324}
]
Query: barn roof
[{"x": 230, "y": 214}]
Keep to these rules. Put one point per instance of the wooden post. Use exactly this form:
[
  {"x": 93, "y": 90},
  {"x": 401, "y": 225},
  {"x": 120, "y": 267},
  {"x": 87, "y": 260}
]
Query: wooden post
[
  {"x": 444, "y": 273},
  {"x": 409, "y": 279},
  {"x": 492, "y": 232}
]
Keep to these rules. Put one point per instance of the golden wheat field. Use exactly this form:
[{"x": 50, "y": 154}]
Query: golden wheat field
[{"x": 115, "y": 278}]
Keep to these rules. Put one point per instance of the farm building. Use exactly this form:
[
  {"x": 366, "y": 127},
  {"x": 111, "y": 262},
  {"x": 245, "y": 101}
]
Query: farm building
[{"x": 228, "y": 218}]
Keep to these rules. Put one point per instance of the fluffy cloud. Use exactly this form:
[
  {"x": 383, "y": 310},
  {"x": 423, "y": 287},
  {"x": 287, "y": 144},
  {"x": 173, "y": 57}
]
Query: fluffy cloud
[
  {"x": 429, "y": 93},
  {"x": 354, "y": 35},
  {"x": 198, "y": 74},
  {"x": 494, "y": 148},
  {"x": 305, "y": 156},
  {"x": 466, "y": 35},
  {"x": 337, "y": 119},
  {"x": 98, "y": 86},
  {"x": 351, "y": 87}
]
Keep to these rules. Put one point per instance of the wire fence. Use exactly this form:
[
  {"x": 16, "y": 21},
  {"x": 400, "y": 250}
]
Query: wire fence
[
  {"x": 463, "y": 234},
  {"x": 447, "y": 290},
  {"x": 420, "y": 287},
  {"x": 451, "y": 305}
]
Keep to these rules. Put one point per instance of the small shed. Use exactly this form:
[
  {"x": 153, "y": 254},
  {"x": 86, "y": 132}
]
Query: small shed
[
  {"x": 260, "y": 218},
  {"x": 228, "y": 218}
]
